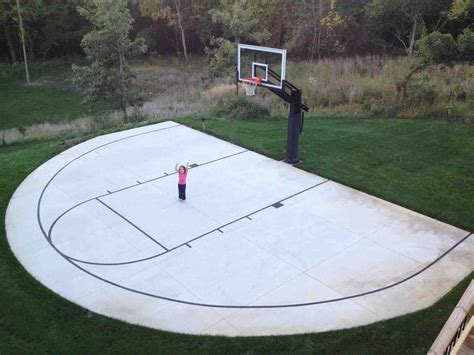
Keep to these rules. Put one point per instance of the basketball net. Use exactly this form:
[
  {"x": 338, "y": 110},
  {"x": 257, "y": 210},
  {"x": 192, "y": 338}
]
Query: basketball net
[{"x": 250, "y": 84}]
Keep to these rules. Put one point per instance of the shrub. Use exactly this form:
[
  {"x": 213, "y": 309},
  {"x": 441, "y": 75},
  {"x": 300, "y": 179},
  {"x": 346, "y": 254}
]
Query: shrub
[
  {"x": 240, "y": 108},
  {"x": 437, "y": 47},
  {"x": 466, "y": 45},
  {"x": 223, "y": 56},
  {"x": 421, "y": 90}
]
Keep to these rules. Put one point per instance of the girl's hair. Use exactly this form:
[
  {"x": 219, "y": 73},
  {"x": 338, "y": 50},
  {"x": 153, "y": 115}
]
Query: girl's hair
[{"x": 182, "y": 166}]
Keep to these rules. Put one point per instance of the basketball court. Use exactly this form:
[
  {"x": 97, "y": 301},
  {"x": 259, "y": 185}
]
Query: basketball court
[{"x": 260, "y": 247}]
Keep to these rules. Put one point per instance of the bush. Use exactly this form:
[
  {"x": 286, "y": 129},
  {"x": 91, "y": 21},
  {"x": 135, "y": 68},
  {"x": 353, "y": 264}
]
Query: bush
[
  {"x": 223, "y": 57},
  {"x": 466, "y": 45},
  {"x": 437, "y": 47},
  {"x": 240, "y": 108},
  {"x": 421, "y": 90}
]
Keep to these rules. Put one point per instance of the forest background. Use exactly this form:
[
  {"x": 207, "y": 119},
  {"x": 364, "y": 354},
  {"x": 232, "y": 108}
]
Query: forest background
[{"x": 367, "y": 58}]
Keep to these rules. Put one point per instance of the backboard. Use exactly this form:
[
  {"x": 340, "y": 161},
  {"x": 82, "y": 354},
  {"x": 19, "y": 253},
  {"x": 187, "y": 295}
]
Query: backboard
[{"x": 269, "y": 64}]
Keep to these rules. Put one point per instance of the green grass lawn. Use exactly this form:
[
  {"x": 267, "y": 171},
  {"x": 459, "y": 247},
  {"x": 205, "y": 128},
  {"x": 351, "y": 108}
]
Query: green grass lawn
[
  {"x": 22, "y": 106},
  {"x": 425, "y": 166},
  {"x": 50, "y": 98}
]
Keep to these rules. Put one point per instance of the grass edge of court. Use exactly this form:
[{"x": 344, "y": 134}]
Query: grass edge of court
[{"x": 228, "y": 344}]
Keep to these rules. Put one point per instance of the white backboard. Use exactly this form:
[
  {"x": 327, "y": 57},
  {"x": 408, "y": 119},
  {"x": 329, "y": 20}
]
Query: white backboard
[{"x": 269, "y": 64}]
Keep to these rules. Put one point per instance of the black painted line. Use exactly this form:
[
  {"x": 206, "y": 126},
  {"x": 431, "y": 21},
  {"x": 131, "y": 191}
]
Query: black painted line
[
  {"x": 199, "y": 165},
  {"x": 166, "y": 175},
  {"x": 300, "y": 192},
  {"x": 278, "y": 205},
  {"x": 119, "y": 263},
  {"x": 194, "y": 165},
  {"x": 287, "y": 198},
  {"x": 48, "y": 236},
  {"x": 40, "y": 199},
  {"x": 248, "y": 217},
  {"x": 138, "y": 182},
  {"x": 189, "y": 246},
  {"x": 218, "y": 229},
  {"x": 109, "y": 191},
  {"x": 277, "y": 305},
  {"x": 70, "y": 260},
  {"x": 133, "y": 224}
]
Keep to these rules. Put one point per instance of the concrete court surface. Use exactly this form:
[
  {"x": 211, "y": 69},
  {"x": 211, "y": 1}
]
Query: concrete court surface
[{"x": 260, "y": 247}]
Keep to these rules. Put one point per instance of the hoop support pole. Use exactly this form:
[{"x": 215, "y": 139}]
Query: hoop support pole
[
  {"x": 237, "y": 82},
  {"x": 294, "y": 128}
]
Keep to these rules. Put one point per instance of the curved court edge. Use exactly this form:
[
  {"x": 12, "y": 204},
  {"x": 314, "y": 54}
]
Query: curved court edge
[{"x": 76, "y": 262}]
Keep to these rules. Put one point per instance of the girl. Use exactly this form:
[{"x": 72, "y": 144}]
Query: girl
[{"x": 182, "y": 174}]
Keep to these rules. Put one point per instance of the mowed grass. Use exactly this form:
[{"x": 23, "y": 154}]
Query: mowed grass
[
  {"x": 22, "y": 106},
  {"x": 425, "y": 165}
]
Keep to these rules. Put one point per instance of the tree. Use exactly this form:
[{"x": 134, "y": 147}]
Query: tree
[
  {"x": 305, "y": 37},
  {"x": 48, "y": 25},
  {"x": 437, "y": 48},
  {"x": 240, "y": 23},
  {"x": 327, "y": 27},
  {"x": 460, "y": 8},
  {"x": 16, "y": 15},
  {"x": 107, "y": 48},
  {"x": 403, "y": 19},
  {"x": 465, "y": 43},
  {"x": 7, "y": 11},
  {"x": 22, "y": 39},
  {"x": 60, "y": 29},
  {"x": 176, "y": 12},
  {"x": 333, "y": 24}
]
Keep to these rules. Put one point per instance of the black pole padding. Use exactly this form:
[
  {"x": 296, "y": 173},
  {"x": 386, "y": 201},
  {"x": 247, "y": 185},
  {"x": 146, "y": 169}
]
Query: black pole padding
[
  {"x": 237, "y": 82},
  {"x": 302, "y": 122},
  {"x": 294, "y": 127}
]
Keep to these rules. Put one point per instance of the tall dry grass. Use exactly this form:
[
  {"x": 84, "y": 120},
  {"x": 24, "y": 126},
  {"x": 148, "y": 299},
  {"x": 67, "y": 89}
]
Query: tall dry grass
[
  {"x": 368, "y": 85},
  {"x": 356, "y": 86},
  {"x": 77, "y": 127},
  {"x": 359, "y": 86}
]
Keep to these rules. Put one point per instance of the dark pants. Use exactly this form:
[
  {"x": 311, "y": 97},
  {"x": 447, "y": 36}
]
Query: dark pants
[{"x": 182, "y": 191}]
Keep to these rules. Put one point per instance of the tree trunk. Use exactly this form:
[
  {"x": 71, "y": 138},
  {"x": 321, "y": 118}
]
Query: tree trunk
[
  {"x": 398, "y": 36},
  {"x": 22, "y": 37},
  {"x": 402, "y": 85},
  {"x": 46, "y": 51},
  {"x": 31, "y": 45},
  {"x": 10, "y": 45},
  {"x": 414, "y": 31},
  {"x": 315, "y": 31},
  {"x": 124, "y": 110},
  {"x": 181, "y": 29},
  {"x": 123, "y": 89},
  {"x": 320, "y": 28}
]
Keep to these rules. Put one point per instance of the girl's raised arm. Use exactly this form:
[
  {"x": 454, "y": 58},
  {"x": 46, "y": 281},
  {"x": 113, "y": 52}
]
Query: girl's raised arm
[{"x": 176, "y": 167}]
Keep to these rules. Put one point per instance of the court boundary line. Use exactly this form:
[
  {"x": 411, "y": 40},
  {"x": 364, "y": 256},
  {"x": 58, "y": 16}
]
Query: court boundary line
[{"x": 216, "y": 305}]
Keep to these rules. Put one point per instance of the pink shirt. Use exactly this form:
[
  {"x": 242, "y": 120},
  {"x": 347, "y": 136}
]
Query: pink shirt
[{"x": 182, "y": 178}]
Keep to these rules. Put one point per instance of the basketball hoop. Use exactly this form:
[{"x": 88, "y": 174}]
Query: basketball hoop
[{"x": 250, "y": 84}]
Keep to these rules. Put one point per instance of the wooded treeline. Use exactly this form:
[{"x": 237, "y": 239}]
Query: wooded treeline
[{"x": 308, "y": 29}]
